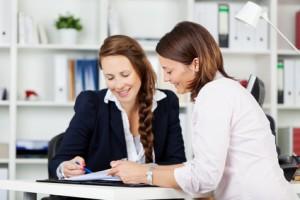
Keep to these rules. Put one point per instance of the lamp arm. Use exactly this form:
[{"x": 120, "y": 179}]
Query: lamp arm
[{"x": 264, "y": 16}]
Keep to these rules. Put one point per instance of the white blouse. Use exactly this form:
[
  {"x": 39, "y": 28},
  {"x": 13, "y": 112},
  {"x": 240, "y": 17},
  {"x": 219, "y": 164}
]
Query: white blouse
[
  {"x": 135, "y": 149},
  {"x": 234, "y": 149}
]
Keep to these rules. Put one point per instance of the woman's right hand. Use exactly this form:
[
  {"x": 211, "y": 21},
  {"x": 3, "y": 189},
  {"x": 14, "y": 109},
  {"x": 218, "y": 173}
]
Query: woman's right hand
[{"x": 73, "y": 167}]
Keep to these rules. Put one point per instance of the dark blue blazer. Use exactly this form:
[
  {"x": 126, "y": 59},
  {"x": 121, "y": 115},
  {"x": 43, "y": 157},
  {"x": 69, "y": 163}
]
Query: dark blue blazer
[{"x": 96, "y": 133}]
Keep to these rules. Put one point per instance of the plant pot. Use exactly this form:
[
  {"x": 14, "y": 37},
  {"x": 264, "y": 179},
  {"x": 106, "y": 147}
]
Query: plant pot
[{"x": 68, "y": 36}]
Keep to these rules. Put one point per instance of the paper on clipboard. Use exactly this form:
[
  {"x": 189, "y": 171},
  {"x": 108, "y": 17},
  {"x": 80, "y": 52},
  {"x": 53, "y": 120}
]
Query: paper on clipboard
[{"x": 100, "y": 175}]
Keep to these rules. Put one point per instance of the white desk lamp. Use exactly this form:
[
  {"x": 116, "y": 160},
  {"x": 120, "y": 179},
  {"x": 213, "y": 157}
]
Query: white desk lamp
[{"x": 251, "y": 13}]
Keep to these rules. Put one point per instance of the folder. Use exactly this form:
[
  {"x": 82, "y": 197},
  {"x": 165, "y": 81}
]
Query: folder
[
  {"x": 288, "y": 78},
  {"x": 91, "y": 74},
  {"x": 297, "y": 29},
  {"x": 280, "y": 82},
  {"x": 261, "y": 34},
  {"x": 206, "y": 14},
  {"x": 236, "y": 27},
  {"x": 297, "y": 82},
  {"x": 5, "y": 21},
  {"x": 71, "y": 79},
  {"x": 60, "y": 78},
  {"x": 223, "y": 25},
  {"x": 79, "y": 76},
  {"x": 3, "y": 176}
]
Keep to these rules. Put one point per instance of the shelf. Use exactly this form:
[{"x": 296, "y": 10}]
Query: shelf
[
  {"x": 4, "y": 161},
  {"x": 245, "y": 52},
  {"x": 288, "y": 2},
  {"x": 60, "y": 47},
  {"x": 4, "y": 103},
  {"x": 31, "y": 161},
  {"x": 287, "y": 52},
  {"x": 44, "y": 104},
  {"x": 225, "y": 51},
  {"x": 283, "y": 107},
  {"x": 4, "y": 46}
]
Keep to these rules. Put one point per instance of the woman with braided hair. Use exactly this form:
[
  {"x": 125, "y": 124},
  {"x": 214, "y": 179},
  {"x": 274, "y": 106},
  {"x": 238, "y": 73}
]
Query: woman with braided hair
[{"x": 130, "y": 119}]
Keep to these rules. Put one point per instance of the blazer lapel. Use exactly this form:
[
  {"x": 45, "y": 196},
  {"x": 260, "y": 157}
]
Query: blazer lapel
[
  {"x": 158, "y": 126},
  {"x": 116, "y": 124}
]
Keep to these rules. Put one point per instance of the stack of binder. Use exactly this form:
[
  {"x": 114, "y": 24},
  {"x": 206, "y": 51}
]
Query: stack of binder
[
  {"x": 219, "y": 20},
  {"x": 291, "y": 81},
  {"x": 71, "y": 76}
]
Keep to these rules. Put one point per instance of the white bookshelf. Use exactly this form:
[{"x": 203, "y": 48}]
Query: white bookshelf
[
  {"x": 287, "y": 115},
  {"x": 26, "y": 66}
]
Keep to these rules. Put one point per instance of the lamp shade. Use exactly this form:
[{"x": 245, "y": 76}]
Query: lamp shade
[{"x": 250, "y": 13}]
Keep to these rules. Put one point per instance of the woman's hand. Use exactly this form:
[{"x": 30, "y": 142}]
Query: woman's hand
[
  {"x": 73, "y": 167},
  {"x": 129, "y": 172}
]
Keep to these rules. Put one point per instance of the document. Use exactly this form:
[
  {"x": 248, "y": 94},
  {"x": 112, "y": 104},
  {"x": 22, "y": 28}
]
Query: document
[{"x": 100, "y": 175}]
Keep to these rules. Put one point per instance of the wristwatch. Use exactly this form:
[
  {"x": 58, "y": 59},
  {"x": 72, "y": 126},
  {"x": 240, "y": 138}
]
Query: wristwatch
[{"x": 149, "y": 173}]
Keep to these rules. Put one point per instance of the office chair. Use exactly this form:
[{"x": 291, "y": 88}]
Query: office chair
[
  {"x": 288, "y": 163},
  {"x": 53, "y": 146}
]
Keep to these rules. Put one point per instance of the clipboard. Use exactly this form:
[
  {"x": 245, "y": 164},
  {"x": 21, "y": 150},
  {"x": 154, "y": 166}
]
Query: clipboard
[{"x": 94, "y": 182}]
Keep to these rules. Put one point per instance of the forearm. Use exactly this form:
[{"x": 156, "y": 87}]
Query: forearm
[{"x": 163, "y": 176}]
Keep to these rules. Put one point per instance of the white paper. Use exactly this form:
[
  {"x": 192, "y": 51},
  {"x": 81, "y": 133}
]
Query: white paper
[{"x": 100, "y": 175}]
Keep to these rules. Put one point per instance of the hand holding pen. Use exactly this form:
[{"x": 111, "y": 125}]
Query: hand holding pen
[{"x": 74, "y": 167}]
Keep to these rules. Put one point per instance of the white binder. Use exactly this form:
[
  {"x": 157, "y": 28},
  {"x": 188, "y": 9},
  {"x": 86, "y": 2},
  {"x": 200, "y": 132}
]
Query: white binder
[
  {"x": 261, "y": 34},
  {"x": 60, "y": 78},
  {"x": 297, "y": 82},
  {"x": 5, "y": 21},
  {"x": 3, "y": 176},
  {"x": 206, "y": 14},
  {"x": 288, "y": 79},
  {"x": 235, "y": 27}
]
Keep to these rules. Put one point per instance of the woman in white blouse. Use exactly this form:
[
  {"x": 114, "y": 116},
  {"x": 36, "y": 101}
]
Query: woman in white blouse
[{"x": 234, "y": 149}]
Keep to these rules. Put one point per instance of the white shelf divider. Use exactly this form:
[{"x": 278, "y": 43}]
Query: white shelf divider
[
  {"x": 31, "y": 161},
  {"x": 77, "y": 47},
  {"x": 4, "y": 160},
  {"x": 44, "y": 104}
]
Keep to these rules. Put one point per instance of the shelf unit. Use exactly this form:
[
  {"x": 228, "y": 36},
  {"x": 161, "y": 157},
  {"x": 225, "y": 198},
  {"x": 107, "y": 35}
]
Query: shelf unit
[
  {"x": 26, "y": 66},
  {"x": 287, "y": 115}
]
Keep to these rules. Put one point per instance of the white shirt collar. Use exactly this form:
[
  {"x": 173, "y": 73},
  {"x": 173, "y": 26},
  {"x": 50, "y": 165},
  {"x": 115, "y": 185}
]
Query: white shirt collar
[
  {"x": 135, "y": 150},
  {"x": 218, "y": 75},
  {"x": 158, "y": 95}
]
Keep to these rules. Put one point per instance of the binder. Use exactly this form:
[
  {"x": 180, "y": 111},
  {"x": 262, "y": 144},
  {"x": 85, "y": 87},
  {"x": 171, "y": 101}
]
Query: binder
[
  {"x": 280, "y": 82},
  {"x": 297, "y": 82},
  {"x": 3, "y": 176},
  {"x": 261, "y": 34},
  {"x": 91, "y": 75},
  {"x": 289, "y": 140},
  {"x": 71, "y": 79},
  {"x": 60, "y": 78},
  {"x": 79, "y": 76},
  {"x": 223, "y": 25},
  {"x": 206, "y": 14},
  {"x": 297, "y": 29},
  {"x": 236, "y": 26},
  {"x": 288, "y": 79},
  {"x": 5, "y": 21}
]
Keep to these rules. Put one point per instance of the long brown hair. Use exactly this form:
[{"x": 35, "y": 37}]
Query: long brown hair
[
  {"x": 128, "y": 47},
  {"x": 187, "y": 41}
]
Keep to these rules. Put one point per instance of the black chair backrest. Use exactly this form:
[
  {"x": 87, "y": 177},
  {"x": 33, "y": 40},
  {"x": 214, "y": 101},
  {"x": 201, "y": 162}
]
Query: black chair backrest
[{"x": 53, "y": 146}]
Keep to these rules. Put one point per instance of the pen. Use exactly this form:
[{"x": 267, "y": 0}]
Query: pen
[{"x": 87, "y": 171}]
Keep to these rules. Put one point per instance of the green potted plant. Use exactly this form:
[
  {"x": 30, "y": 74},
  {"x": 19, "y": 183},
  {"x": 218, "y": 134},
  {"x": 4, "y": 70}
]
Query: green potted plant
[{"x": 68, "y": 27}]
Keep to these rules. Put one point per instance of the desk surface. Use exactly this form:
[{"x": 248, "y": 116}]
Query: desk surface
[{"x": 91, "y": 191}]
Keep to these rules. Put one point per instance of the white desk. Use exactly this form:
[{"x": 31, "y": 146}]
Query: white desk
[{"x": 31, "y": 188}]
